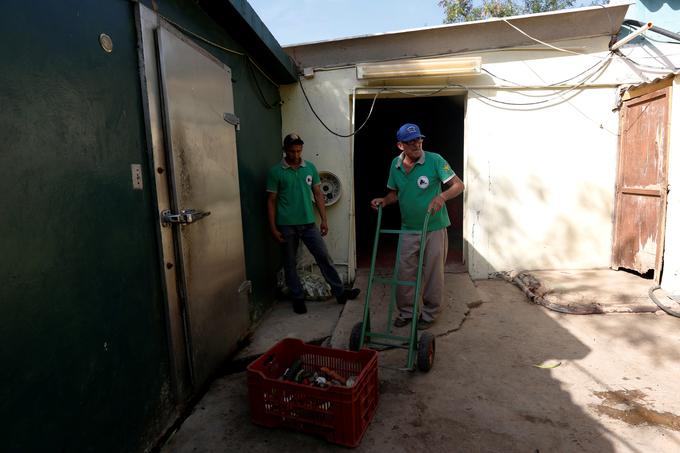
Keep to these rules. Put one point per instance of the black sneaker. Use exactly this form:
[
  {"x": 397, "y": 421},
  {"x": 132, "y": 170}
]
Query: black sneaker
[
  {"x": 401, "y": 322},
  {"x": 348, "y": 294},
  {"x": 424, "y": 325},
  {"x": 299, "y": 307}
]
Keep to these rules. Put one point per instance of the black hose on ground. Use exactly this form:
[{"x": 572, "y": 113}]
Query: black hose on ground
[{"x": 659, "y": 304}]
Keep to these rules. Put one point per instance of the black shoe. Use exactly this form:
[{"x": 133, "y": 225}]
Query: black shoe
[
  {"x": 299, "y": 307},
  {"x": 424, "y": 325},
  {"x": 401, "y": 322},
  {"x": 348, "y": 294}
]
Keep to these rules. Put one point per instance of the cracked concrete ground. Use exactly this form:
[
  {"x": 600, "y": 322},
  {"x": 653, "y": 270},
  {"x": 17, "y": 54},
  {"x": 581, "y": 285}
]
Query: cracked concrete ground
[{"x": 613, "y": 387}]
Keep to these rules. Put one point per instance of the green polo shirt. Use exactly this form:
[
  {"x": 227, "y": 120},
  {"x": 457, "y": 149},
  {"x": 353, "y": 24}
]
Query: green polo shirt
[
  {"x": 416, "y": 190},
  {"x": 293, "y": 189}
]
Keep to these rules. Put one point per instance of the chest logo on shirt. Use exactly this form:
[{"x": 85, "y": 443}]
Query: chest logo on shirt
[
  {"x": 308, "y": 180},
  {"x": 423, "y": 182}
]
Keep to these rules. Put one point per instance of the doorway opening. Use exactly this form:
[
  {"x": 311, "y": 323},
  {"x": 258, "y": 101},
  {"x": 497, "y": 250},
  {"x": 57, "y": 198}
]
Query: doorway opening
[{"x": 441, "y": 120}]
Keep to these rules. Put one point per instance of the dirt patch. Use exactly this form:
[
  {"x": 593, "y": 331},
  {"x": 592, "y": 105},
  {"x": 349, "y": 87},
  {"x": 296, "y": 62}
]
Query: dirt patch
[
  {"x": 544, "y": 421},
  {"x": 628, "y": 406},
  {"x": 395, "y": 388}
]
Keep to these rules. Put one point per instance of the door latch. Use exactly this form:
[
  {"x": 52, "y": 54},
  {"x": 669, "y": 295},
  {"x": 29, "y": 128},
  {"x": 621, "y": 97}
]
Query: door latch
[
  {"x": 232, "y": 119},
  {"x": 185, "y": 216}
]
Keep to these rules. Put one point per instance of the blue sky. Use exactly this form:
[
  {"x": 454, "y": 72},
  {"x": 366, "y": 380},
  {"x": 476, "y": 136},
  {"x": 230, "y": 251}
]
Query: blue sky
[{"x": 297, "y": 21}]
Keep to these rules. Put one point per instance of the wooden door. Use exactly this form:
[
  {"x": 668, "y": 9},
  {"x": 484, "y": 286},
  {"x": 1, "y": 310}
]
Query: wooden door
[{"x": 642, "y": 183}]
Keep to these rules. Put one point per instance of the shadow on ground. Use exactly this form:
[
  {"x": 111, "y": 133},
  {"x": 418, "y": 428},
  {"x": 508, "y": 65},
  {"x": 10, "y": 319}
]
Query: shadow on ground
[{"x": 485, "y": 392}]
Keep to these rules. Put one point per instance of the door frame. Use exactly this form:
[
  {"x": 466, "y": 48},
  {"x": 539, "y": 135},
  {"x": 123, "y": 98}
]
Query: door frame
[
  {"x": 147, "y": 21},
  {"x": 414, "y": 92}
]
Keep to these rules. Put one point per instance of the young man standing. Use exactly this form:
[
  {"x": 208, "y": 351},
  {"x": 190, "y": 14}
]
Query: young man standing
[
  {"x": 415, "y": 181},
  {"x": 290, "y": 186}
]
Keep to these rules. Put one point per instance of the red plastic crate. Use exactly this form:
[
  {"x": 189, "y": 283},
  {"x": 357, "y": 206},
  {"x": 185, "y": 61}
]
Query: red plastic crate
[{"x": 339, "y": 414}]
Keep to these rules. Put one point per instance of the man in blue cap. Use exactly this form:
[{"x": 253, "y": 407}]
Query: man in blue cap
[
  {"x": 291, "y": 184},
  {"x": 415, "y": 181}
]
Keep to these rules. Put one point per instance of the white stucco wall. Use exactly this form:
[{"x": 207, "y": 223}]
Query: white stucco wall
[
  {"x": 539, "y": 180},
  {"x": 330, "y": 93},
  {"x": 540, "y": 184}
]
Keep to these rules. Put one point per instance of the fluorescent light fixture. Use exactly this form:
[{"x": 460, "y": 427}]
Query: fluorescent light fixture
[{"x": 431, "y": 67}]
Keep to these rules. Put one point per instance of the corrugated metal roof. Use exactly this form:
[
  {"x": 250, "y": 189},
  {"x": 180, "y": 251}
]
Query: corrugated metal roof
[
  {"x": 670, "y": 75},
  {"x": 626, "y": 92},
  {"x": 462, "y": 37}
]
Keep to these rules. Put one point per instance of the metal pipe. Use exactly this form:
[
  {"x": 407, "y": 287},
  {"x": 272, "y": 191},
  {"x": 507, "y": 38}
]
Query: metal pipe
[
  {"x": 632, "y": 36},
  {"x": 655, "y": 29}
]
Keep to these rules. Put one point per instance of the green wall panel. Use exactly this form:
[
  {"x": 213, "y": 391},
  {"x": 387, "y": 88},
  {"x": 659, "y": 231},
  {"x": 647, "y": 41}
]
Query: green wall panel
[
  {"x": 83, "y": 342},
  {"x": 83, "y": 339}
]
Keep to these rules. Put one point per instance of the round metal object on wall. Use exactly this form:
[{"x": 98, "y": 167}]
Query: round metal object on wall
[
  {"x": 330, "y": 186},
  {"x": 106, "y": 42}
]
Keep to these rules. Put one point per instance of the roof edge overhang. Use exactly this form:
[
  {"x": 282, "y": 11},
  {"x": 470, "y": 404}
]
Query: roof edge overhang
[
  {"x": 239, "y": 19},
  {"x": 632, "y": 91},
  {"x": 463, "y": 37}
]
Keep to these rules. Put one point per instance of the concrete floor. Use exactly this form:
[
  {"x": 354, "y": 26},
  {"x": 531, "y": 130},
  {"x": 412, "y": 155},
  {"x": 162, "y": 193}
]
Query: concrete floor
[
  {"x": 615, "y": 385},
  {"x": 596, "y": 291}
]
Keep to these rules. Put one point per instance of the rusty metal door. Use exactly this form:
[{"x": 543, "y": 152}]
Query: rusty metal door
[{"x": 642, "y": 183}]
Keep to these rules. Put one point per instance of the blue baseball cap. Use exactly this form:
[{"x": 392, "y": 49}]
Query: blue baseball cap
[{"x": 408, "y": 132}]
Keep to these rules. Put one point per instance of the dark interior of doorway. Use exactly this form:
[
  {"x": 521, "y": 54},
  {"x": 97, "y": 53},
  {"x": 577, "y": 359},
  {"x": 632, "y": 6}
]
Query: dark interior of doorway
[{"x": 441, "y": 120}]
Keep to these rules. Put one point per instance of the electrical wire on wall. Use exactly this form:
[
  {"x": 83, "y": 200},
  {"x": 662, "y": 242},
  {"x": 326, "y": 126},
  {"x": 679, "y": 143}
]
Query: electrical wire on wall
[
  {"x": 492, "y": 101},
  {"x": 309, "y": 103},
  {"x": 249, "y": 62},
  {"x": 590, "y": 72},
  {"x": 559, "y": 49},
  {"x": 599, "y": 67},
  {"x": 587, "y": 74},
  {"x": 562, "y": 82},
  {"x": 594, "y": 70},
  {"x": 645, "y": 67},
  {"x": 639, "y": 65},
  {"x": 634, "y": 26},
  {"x": 262, "y": 98}
]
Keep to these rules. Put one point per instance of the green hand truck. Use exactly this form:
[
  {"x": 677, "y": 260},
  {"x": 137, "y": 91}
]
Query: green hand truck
[{"x": 363, "y": 336}]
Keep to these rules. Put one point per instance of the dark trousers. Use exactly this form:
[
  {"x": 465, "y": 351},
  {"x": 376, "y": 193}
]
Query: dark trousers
[{"x": 312, "y": 239}]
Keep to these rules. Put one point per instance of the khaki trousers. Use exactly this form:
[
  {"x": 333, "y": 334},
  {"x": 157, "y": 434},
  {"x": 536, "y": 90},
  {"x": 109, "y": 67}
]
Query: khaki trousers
[{"x": 432, "y": 284}]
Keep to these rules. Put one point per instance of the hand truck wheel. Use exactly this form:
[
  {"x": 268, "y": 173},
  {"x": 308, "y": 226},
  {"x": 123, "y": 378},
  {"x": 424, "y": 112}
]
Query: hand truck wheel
[
  {"x": 426, "y": 348},
  {"x": 355, "y": 336}
]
